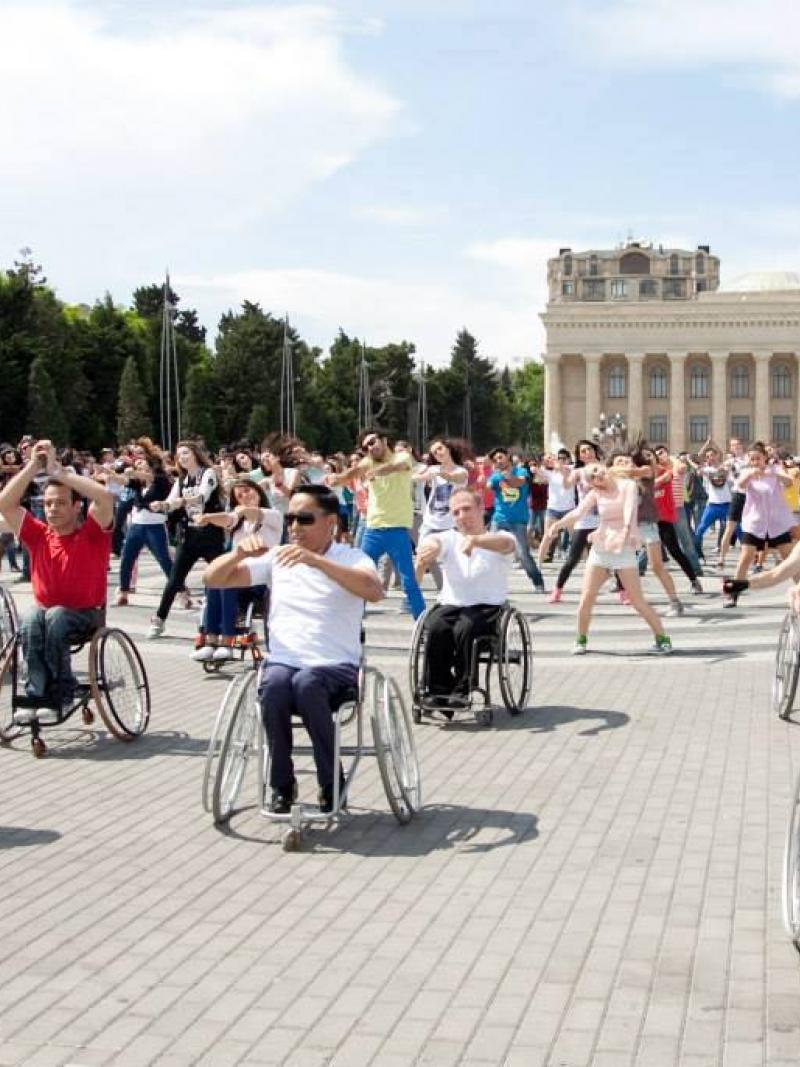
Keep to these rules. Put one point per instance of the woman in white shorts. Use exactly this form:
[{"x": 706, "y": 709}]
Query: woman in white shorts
[{"x": 614, "y": 545}]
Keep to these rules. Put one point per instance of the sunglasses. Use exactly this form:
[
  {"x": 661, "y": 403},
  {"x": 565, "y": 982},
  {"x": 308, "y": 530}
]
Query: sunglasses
[{"x": 302, "y": 518}]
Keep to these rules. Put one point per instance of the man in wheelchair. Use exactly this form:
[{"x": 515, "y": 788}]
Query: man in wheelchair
[
  {"x": 475, "y": 564},
  {"x": 316, "y": 607},
  {"x": 69, "y": 564}
]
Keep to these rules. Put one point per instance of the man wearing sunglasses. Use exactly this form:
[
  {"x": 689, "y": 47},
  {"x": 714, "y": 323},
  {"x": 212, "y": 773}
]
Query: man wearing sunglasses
[
  {"x": 390, "y": 508},
  {"x": 317, "y": 594}
]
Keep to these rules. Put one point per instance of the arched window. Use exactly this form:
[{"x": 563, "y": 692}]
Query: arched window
[
  {"x": 593, "y": 269},
  {"x": 567, "y": 266},
  {"x": 740, "y": 382},
  {"x": 699, "y": 263},
  {"x": 658, "y": 384},
  {"x": 781, "y": 382},
  {"x": 698, "y": 383},
  {"x": 674, "y": 264},
  {"x": 634, "y": 263},
  {"x": 616, "y": 383}
]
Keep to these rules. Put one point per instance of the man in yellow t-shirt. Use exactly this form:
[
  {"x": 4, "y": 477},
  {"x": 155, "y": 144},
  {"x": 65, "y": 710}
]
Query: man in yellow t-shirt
[{"x": 390, "y": 509}]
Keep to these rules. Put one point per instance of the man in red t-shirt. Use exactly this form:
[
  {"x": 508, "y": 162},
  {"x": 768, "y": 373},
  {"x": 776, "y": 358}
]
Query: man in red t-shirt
[{"x": 69, "y": 564}]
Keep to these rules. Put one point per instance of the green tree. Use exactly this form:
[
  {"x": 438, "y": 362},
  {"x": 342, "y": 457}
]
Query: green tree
[
  {"x": 527, "y": 405},
  {"x": 258, "y": 424},
  {"x": 45, "y": 415},
  {"x": 133, "y": 419},
  {"x": 199, "y": 403}
]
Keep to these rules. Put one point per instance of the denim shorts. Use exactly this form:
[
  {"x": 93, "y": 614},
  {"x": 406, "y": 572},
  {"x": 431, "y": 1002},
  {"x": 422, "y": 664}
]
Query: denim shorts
[
  {"x": 613, "y": 561},
  {"x": 648, "y": 531}
]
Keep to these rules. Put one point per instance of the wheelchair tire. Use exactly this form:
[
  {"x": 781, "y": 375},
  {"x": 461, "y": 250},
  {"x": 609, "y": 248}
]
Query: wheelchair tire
[
  {"x": 218, "y": 733},
  {"x": 514, "y": 660},
  {"x": 416, "y": 664},
  {"x": 119, "y": 684},
  {"x": 242, "y": 738},
  {"x": 395, "y": 750},
  {"x": 791, "y": 871},
  {"x": 9, "y": 730},
  {"x": 9, "y": 622},
  {"x": 787, "y": 666}
]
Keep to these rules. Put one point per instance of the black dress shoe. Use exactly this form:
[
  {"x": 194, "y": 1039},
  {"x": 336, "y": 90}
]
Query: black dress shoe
[{"x": 282, "y": 799}]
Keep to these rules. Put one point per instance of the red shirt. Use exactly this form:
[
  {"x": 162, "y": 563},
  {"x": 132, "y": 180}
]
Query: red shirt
[
  {"x": 665, "y": 499},
  {"x": 67, "y": 571}
]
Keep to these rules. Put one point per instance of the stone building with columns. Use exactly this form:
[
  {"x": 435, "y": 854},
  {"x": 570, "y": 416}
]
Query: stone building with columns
[{"x": 648, "y": 333}]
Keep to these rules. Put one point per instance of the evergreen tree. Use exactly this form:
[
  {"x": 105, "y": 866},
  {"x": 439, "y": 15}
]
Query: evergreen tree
[
  {"x": 45, "y": 414},
  {"x": 199, "y": 401},
  {"x": 132, "y": 417},
  {"x": 259, "y": 425}
]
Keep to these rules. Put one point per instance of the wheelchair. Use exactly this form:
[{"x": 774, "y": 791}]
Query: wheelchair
[
  {"x": 238, "y": 738},
  {"x": 116, "y": 683},
  {"x": 787, "y": 666},
  {"x": 509, "y": 649},
  {"x": 247, "y": 639}
]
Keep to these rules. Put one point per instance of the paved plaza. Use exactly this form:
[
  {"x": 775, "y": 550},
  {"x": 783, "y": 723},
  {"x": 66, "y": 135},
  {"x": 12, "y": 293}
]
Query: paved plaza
[{"x": 596, "y": 882}]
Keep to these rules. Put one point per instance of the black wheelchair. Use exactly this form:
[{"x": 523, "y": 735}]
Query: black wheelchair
[
  {"x": 509, "y": 650},
  {"x": 116, "y": 683},
  {"x": 248, "y": 641},
  {"x": 238, "y": 739}
]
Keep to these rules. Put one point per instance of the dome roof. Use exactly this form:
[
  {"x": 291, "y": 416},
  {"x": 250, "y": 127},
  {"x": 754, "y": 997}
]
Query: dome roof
[{"x": 763, "y": 281}]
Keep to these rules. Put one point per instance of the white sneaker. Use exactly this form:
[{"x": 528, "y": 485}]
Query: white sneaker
[
  {"x": 222, "y": 652},
  {"x": 156, "y": 628},
  {"x": 204, "y": 654}
]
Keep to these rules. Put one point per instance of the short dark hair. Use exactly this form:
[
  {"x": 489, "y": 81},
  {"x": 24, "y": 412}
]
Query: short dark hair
[
  {"x": 325, "y": 498},
  {"x": 54, "y": 483},
  {"x": 373, "y": 431},
  {"x": 499, "y": 448}
]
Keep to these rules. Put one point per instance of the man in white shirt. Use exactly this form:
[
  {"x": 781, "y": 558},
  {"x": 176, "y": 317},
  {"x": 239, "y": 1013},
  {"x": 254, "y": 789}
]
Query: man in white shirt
[
  {"x": 317, "y": 594},
  {"x": 475, "y": 565}
]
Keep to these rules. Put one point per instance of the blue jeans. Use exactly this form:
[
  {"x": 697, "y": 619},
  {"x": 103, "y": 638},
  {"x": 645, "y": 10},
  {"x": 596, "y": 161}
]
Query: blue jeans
[
  {"x": 520, "y": 533},
  {"x": 711, "y": 513},
  {"x": 395, "y": 542},
  {"x": 139, "y": 535},
  {"x": 46, "y": 635},
  {"x": 685, "y": 539},
  {"x": 219, "y": 615}
]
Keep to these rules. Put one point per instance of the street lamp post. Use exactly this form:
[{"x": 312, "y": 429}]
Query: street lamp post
[{"x": 611, "y": 430}]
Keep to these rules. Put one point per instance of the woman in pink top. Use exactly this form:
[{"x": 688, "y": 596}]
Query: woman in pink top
[
  {"x": 614, "y": 545},
  {"x": 766, "y": 518}
]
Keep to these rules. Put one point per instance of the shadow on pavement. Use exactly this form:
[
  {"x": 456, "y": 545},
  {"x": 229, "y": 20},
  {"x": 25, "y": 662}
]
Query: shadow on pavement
[
  {"x": 90, "y": 744},
  {"x": 540, "y": 720},
  {"x": 23, "y": 836},
  {"x": 438, "y": 827}
]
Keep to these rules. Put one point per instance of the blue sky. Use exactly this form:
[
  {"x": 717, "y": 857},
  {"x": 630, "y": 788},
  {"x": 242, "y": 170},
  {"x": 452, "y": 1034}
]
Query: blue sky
[{"x": 400, "y": 169}]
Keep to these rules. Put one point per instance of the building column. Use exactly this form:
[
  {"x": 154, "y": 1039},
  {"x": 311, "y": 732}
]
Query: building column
[
  {"x": 677, "y": 401},
  {"x": 552, "y": 397},
  {"x": 719, "y": 398},
  {"x": 762, "y": 430},
  {"x": 594, "y": 391},
  {"x": 635, "y": 394}
]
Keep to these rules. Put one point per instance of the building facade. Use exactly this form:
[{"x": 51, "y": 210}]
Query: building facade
[{"x": 647, "y": 335}]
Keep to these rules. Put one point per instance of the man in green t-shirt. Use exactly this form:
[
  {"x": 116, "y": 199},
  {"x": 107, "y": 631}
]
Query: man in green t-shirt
[{"x": 390, "y": 511}]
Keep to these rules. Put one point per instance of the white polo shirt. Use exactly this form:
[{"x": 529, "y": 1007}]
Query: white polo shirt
[
  {"x": 478, "y": 578},
  {"x": 313, "y": 621}
]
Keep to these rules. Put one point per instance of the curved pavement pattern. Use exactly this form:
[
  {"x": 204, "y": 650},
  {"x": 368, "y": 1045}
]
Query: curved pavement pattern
[{"x": 594, "y": 883}]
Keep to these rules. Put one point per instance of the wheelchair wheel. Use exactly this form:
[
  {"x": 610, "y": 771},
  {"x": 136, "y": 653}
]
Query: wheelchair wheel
[
  {"x": 242, "y": 738},
  {"x": 8, "y": 656},
  {"x": 514, "y": 660},
  {"x": 416, "y": 665},
  {"x": 119, "y": 684},
  {"x": 791, "y": 871},
  {"x": 9, "y": 621},
  {"x": 394, "y": 748},
  {"x": 229, "y": 702},
  {"x": 347, "y": 712},
  {"x": 787, "y": 666}
]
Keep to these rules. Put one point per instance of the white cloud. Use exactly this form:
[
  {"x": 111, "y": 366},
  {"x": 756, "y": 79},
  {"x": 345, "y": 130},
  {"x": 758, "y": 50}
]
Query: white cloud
[
  {"x": 214, "y": 118},
  {"x": 400, "y": 215},
  {"x": 759, "y": 38},
  {"x": 428, "y": 313}
]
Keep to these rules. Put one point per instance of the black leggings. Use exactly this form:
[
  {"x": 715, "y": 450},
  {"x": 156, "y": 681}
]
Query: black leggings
[
  {"x": 205, "y": 542},
  {"x": 669, "y": 539},
  {"x": 578, "y": 542}
]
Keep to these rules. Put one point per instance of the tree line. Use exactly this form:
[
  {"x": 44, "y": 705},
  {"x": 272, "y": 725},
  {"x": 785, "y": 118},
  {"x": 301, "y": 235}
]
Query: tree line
[{"x": 89, "y": 376}]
